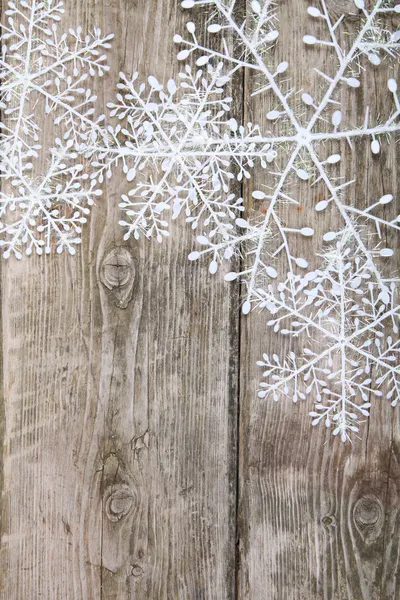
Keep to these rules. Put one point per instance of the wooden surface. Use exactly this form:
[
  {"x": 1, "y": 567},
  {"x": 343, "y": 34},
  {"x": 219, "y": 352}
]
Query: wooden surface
[{"x": 135, "y": 464}]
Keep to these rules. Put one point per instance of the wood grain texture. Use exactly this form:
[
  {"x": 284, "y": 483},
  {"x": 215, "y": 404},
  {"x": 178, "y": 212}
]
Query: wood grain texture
[
  {"x": 121, "y": 469},
  {"x": 317, "y": 520},
  {"x": 120, "y": 416}
]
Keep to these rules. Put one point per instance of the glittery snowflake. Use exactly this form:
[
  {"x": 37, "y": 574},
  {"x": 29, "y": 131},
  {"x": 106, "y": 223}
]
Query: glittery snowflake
[
  {"x": 182, "y": 150},
  {"x": 44, "y": 75}
]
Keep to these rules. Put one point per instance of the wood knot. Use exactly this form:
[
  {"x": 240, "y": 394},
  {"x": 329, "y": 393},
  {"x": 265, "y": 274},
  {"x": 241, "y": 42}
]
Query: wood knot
[
  {"x": 136, "y": 571},
  {"x": 117, "y": 274},
  {"x": 328, "y": 521},
  {"x": 119, "y": 503},
  {"x": 368, "y": 516}
]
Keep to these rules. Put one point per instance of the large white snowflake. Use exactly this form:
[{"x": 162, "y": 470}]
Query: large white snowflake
[
  {"x": 45, "y": 74},
  {"x": 181, "y": 149}
]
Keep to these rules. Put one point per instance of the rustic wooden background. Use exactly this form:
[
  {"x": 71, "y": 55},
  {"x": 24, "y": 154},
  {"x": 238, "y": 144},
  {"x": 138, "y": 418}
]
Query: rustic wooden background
[{"x": 138, "y": 462}]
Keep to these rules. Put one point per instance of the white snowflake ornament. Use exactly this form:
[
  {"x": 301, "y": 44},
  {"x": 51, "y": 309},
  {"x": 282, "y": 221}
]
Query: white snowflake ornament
[
  {"x": 45, "y": 74},
  {"x": 350, "y": 311},
  {"x": 191, "y": 147},
  {"x": 184, "y": 136}
]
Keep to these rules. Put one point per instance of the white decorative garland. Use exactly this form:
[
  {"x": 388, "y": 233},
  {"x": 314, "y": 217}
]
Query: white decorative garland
[
  {"x": 44, "y": 73},
  {"x": 184, "y": 136}
]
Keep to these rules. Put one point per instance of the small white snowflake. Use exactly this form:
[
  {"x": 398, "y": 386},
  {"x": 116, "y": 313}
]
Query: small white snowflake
[
  {"x": 44, "y": 73},
  {"x": 347, "y": 313},
  {"x": 183, "y": 135}
]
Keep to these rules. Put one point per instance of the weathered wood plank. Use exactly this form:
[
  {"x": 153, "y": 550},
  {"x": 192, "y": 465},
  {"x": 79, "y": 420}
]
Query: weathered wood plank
[
  {"x": 119, "y": 394},
  {"x": 120, "y": 370},
  {"x": 317, "y": 520}
]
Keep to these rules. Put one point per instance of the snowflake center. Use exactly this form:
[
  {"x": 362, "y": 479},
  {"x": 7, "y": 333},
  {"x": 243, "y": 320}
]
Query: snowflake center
[{"x": 303, "y": 137}]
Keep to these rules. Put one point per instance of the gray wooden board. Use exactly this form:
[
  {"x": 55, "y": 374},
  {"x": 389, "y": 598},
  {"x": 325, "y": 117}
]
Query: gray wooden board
[{"x": 138, "y": 461}]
